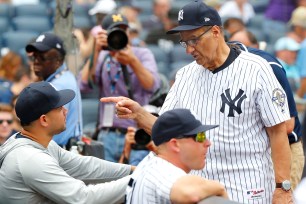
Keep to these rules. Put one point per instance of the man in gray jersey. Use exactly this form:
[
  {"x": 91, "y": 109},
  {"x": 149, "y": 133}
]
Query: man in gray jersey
[
  {"x": 34, "y": 169},
  {"x": 237, "y": 90}
]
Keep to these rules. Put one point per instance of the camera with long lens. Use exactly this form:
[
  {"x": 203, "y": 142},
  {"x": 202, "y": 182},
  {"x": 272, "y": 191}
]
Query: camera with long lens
[
  {"x": 117, "y": 39},
  {"x": 142, "y": 139}
]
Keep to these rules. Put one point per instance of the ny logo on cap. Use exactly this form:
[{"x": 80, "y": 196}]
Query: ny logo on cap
[
  {"x": 206, "y": 19},
  {"x": 180, "y": 15},
  {"x": 117, "y": 18},
  {"x": 40, "y": 38}
]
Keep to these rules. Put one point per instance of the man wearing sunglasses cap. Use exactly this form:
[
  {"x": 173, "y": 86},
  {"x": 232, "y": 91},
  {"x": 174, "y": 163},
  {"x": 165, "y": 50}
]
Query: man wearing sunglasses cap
[
  {"x": 239, "y": 91},
  {"x": 181, "y": 146}
]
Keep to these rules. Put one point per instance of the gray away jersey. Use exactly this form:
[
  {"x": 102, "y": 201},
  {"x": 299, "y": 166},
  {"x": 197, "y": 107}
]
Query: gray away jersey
[{"x": 243, "y": 99}]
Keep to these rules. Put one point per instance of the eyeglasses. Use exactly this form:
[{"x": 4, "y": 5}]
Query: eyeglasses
[
  {"x": 193, "y": 42},
  {"x": 199, "y": 137},
  {"x": 41, "y": 58},
  {"x": 8, "y": 121}
]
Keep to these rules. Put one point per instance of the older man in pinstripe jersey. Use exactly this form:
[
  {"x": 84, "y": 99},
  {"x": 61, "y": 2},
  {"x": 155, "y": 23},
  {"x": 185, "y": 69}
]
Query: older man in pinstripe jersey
[{"x": 237, "y": 90}]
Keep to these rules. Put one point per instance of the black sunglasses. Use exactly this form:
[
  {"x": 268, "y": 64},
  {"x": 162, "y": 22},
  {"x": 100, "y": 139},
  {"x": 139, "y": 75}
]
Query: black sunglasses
[{"x": 8, "y": 121}]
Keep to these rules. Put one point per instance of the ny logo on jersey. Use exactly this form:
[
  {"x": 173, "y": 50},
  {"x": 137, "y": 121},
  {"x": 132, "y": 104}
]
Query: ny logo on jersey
[{"x": 227, "y": 99}]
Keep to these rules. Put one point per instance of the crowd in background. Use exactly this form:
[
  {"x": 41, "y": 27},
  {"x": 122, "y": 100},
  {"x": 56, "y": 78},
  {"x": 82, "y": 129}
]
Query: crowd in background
[{"x": 276, "y": 26}]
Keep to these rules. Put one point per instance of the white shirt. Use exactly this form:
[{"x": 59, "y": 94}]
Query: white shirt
[
  {"x": 240, "y": 155},
  {"x": 231, "y": 9},
  {"x": 152, "y": 181}
]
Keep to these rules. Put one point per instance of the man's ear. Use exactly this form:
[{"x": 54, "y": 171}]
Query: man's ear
[
  {"x": 174, "y": 145},
  {"x": 43, "y": 120}
]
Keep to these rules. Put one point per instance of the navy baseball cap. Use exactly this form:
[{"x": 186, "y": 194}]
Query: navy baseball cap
[
  {"x": 176, "y": 123},
  {"x": 39, "y": 98},
  {"x": 114, "y": 20},
  {"x": 195, "y": 15},
  {"x": 46, "y": 42}
]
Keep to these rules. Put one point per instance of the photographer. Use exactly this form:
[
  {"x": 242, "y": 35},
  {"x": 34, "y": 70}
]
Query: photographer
[{"x": 119, "y": 69}]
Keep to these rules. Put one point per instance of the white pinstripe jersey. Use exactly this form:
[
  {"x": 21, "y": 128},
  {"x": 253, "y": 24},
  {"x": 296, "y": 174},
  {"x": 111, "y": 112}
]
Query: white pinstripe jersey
[
  {"x": 242, "y": 98},
  {"x": 152, "y": 181}
]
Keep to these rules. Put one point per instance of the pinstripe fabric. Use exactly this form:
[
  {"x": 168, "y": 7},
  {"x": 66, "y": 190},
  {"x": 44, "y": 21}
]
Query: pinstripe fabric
[
  {"x": 240, "y": 155},
  {"x": 153, "y": 179}
]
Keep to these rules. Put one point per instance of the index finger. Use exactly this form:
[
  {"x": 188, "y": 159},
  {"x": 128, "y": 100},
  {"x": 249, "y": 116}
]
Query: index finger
[{"x": 112, "y": 99}]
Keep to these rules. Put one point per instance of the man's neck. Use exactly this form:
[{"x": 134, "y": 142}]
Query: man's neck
[{"x": 37, "y": 137}]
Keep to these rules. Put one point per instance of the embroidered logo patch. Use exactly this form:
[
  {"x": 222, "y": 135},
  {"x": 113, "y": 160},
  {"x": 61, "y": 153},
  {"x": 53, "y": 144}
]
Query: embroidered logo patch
[
  {"x": 180, "y": 15},
  {"x": 279, "y": 97},
  {"x": 253, "y": 194}
]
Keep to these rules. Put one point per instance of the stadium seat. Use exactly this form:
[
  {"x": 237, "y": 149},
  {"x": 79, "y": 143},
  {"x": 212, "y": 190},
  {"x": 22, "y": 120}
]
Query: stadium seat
[
  {"x": 32, "y": 10},
  {"x": 6, "y": 10},
  {"x": 82, "y": 22},
  {"x": 162, "y": 59},
  {"x": 178, "y": 53},
  {"x": 17, "y": 40},
  {"x": 31, "y": 23},
  {"x": 4, "y": 25}
]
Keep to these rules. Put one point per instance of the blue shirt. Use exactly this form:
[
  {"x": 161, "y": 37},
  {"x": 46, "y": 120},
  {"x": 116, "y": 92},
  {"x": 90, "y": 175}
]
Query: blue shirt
[
  {"x": 64, "y": 79},
  {"x": 6, "y": 95},
  {"x": 280, "y": 74}
]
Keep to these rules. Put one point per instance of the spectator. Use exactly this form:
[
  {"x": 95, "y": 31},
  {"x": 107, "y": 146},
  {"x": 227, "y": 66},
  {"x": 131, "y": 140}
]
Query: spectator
[
  {"x": 233, "y": 25},
  {"x": 159, "y": 16},
  {"x": 219, "y": 90},
  {"x": 85, "y": 38},
  {"x": 298, "y": 24},
  {"x": 245, "y": 37},
  {"x": 48, "y": 57},
  {"x": 159, "y": 37},
  {"x": 131, "y": 12},
  {"x": 181, "y": 146},
  {"x": 13, "y": 77},
  {"x": 277, "y": 15},
  {"x": 237, "y": 8},
  {"x": 286, "y": 50},
  {"x": 110, "y": 69},
  {"x": 6, "y": 121},
  {"x": 38, "y": 170}
]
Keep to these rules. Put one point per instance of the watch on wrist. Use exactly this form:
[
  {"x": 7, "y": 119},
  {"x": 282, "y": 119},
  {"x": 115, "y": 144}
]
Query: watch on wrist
[{"x": 285, "y": 185}]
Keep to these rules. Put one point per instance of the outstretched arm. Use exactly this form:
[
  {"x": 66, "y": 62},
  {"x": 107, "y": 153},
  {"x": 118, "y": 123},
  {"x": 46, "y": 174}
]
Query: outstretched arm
[{"x": 129, "y": 109}]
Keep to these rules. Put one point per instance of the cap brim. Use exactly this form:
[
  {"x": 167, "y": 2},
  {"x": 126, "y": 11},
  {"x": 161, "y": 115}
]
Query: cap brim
[
  {"x": 182, "y": 28},
  {"x": 37, "y": 47},
  {"x": 201, "y": 128},
  {"x": 118, "y": 24},
  {"x": 66, "y": 96}
]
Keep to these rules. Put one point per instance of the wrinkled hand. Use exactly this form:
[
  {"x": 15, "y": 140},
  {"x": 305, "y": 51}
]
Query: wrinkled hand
[
  {"x": 125, "y": 108},
  {"x": 282, "y": 197}
]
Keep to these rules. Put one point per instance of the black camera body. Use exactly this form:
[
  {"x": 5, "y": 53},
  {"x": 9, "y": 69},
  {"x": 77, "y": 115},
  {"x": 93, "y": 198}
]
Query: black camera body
[
  {"x": 117, "y": 39},
  {"x": 142, "y": 139}
]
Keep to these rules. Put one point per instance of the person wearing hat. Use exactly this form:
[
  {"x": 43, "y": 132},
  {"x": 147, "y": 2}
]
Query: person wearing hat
[
  {"x": 34, "y": 169},
  {"x": 298, "y": 24},
  {"x": 118, "y": 69},
  {"x": 293, "y": 126},
  {"x": 48, "y": 54},
  {"x": 239, "y": 91},
  {"x": 286, "y": 50},
  {"x": 181, "y": 147}
]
